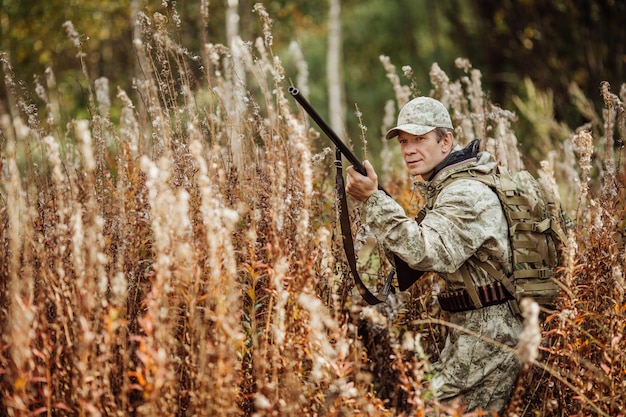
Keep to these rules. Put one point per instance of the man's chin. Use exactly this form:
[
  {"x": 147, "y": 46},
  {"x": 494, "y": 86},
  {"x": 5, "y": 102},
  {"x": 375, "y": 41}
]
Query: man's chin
[{"x": 416, "y": 173}]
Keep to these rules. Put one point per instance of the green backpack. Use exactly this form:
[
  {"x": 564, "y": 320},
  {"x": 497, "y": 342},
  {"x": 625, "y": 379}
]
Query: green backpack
[{"x": 537, "y": 227}]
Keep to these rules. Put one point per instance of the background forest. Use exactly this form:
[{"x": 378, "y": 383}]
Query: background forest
[
  {"x": 534, "y": 55},
  {"x": 169, "y": 240}
]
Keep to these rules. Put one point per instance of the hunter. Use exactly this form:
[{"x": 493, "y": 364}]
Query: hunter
[{"x": 466, "y": 221}]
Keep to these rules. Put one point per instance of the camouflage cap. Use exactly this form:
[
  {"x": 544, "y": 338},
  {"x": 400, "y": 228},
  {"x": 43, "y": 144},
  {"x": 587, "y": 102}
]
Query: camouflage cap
[{"x": 419, "y": 116}]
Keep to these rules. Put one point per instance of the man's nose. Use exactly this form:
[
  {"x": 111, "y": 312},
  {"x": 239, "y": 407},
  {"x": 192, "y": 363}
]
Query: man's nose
[{"x": 410, "y": 148}]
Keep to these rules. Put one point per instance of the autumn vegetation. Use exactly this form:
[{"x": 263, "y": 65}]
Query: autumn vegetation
[{"x": 176, "y": 251}]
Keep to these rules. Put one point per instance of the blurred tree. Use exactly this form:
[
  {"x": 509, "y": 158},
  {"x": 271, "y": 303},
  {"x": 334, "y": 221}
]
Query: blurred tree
[
  {"x": 336, "y": 103},
  {"x": 34, "y": 39},
  {"x": 32, "y": 35},
  {"x": 553, "y": 43},
  {"x": 411, "y": 33}
]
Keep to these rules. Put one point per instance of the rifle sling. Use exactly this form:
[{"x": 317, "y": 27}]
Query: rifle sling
[
  {"x": 346, "y": 232},
  {"x": 406, "y": 275}
]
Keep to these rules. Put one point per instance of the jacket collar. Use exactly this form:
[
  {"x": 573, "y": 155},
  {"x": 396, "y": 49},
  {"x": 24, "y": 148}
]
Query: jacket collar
[
  {"x": 461, "y": 159},
  {"x": 457, "y": 156}
]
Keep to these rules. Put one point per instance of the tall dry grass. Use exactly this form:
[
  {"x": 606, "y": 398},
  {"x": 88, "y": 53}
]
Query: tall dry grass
[{"x": 183, "y": 259}]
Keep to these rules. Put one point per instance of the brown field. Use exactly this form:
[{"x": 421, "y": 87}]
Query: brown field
[{"x": 182, "y": 257}]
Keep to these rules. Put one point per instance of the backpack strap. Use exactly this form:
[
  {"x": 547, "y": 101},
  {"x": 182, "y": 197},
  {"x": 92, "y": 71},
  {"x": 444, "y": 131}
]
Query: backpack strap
[
  {"x": 556, "y": 212},
  {"x": 496, "y": 274},
  {"x": 500, "y": 277},
  {"x": 470, "y": 287}
]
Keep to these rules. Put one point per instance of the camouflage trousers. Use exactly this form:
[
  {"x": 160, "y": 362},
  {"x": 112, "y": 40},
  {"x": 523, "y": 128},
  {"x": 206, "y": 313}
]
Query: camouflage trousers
[{"x": 473, "y": 369}]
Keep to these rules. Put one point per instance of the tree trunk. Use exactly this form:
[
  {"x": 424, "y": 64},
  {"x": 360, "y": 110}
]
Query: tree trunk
[
  {"x": 336, "y": 105},
  {"x": 232, "y": 21}
]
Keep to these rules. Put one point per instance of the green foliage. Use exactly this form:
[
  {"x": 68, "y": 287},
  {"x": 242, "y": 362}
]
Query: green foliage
[
  {"x": 554, "y": 43},
  {"x": 511, "y": 40},
  {"x": 408, "y": 32},
  {"x": 539, "y": 131},
  {"x": 34, "y": 38}
]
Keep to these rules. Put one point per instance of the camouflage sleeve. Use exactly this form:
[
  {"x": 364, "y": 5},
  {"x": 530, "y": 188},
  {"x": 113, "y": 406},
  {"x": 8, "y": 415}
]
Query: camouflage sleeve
[{"x": 466, "y": 219}]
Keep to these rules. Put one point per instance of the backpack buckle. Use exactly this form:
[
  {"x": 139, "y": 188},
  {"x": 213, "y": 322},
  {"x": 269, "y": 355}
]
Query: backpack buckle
[
  {"x": 544, "y": 273},
  {"x": 542, "y": 226}
]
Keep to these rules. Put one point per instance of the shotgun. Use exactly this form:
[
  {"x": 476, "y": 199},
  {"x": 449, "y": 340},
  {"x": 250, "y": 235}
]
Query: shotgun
[{"x": 406, "y": 275}]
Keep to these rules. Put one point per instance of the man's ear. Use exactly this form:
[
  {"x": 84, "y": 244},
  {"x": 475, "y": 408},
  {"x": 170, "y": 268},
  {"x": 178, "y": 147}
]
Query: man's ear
[{"x": 447, "y": 142}]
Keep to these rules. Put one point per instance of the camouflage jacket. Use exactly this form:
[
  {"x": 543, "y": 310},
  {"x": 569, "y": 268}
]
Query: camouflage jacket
[{"x": 465, "y": 220}]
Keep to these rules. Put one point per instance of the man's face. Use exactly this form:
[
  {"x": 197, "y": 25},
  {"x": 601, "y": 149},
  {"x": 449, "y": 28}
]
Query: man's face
[{"x": 422, "y": 153}]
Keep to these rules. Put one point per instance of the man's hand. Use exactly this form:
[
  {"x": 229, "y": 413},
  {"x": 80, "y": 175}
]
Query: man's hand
[{"x": 360, "y": 186}]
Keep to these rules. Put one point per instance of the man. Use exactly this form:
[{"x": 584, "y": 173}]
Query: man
[{"x": 465, "y": 222}]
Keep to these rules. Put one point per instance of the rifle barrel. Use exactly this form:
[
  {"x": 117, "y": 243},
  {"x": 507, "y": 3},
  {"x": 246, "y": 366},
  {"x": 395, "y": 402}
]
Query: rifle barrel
[{"x": 347, "y": 153}]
